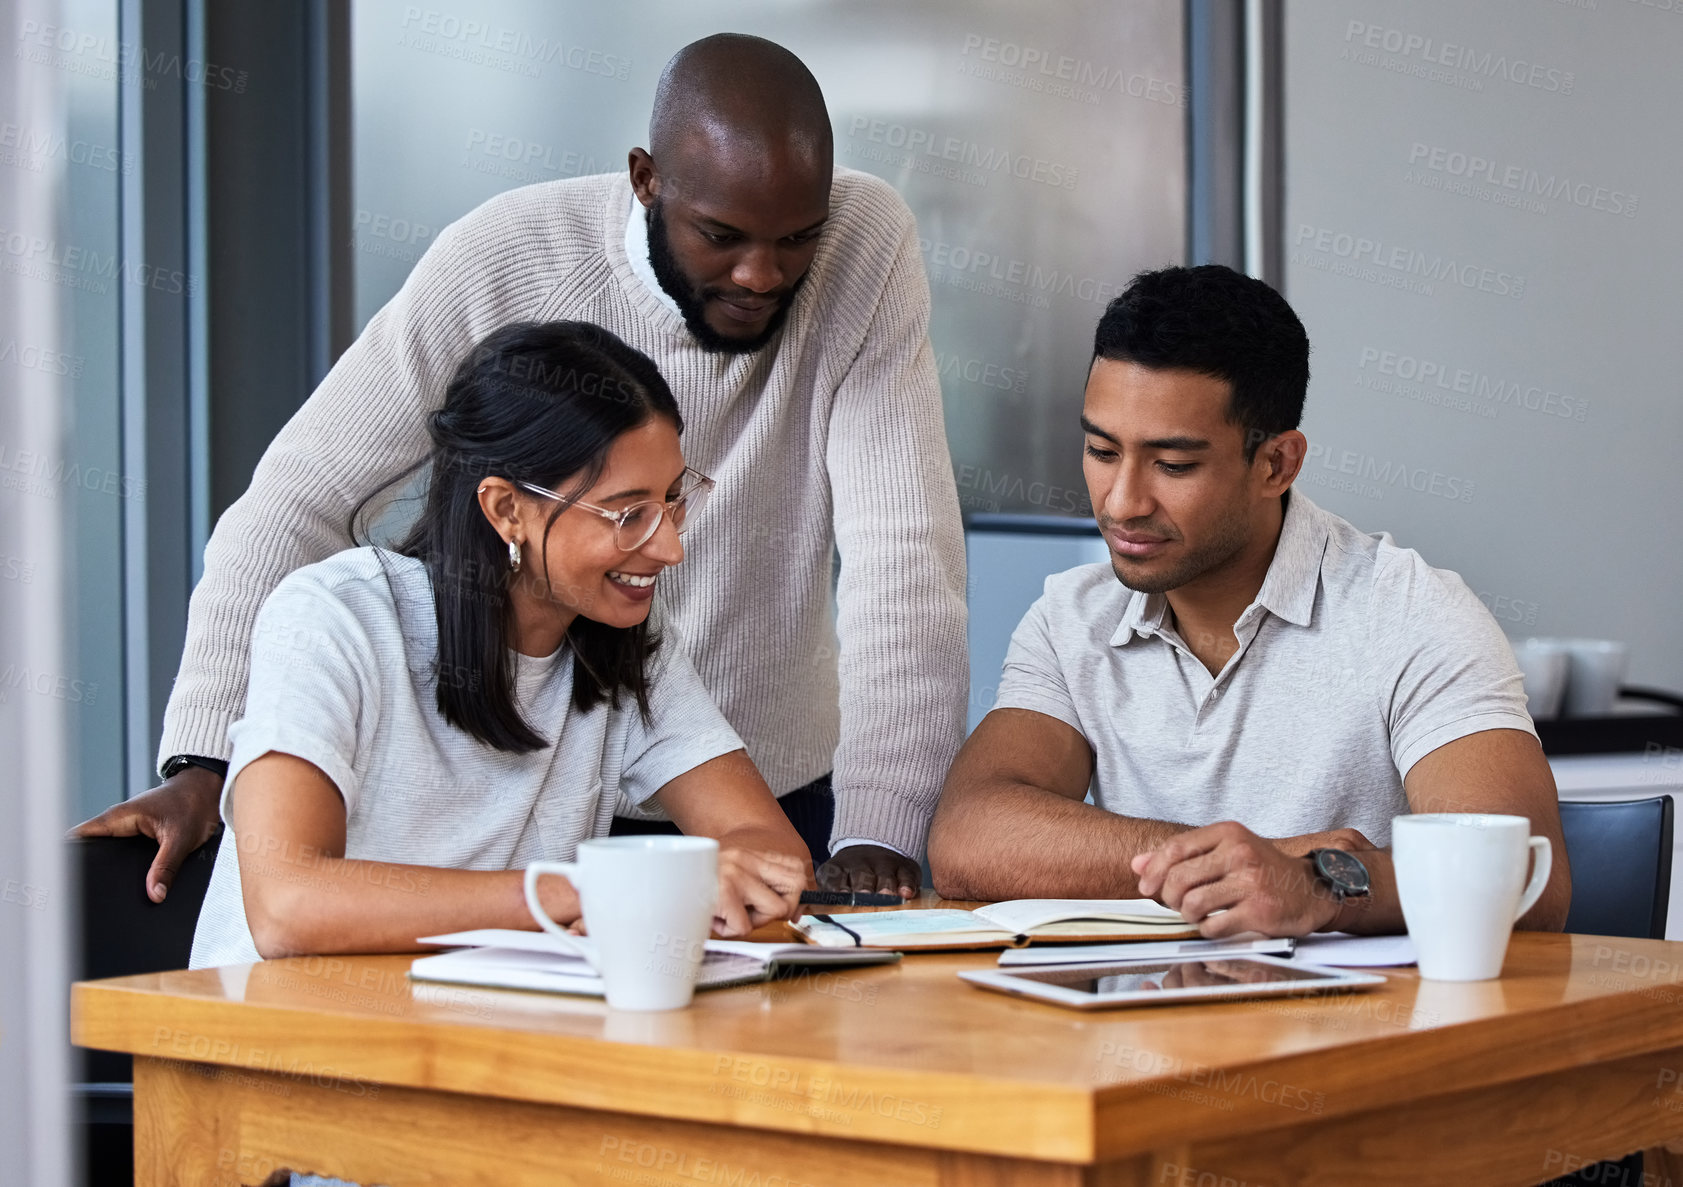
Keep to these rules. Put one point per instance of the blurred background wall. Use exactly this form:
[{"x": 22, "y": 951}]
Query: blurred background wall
[{"x": 1482, "y": 232}]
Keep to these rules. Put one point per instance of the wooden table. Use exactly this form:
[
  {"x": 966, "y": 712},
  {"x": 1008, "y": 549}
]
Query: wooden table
[{"x": 893, "y": 1076}]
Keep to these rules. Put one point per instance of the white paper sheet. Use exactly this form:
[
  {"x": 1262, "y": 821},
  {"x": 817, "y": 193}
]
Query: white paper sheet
[{"x": 1340, "y": 950}]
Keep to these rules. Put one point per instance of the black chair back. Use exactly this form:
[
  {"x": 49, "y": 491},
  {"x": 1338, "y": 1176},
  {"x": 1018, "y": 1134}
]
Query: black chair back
[
  {"x": 123, "y": 932},
  {"x": 1621, "y": 866}
]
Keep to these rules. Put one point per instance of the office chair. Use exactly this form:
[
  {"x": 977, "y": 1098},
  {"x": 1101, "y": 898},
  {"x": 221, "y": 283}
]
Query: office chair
[
  {"x": 1621, "y": 866},
  {"x": 1621, "y": 886},
  {"x": 123, "y": 933}
]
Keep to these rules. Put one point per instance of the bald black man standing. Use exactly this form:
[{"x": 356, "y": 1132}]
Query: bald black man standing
[{"x": 785, "y": 302}]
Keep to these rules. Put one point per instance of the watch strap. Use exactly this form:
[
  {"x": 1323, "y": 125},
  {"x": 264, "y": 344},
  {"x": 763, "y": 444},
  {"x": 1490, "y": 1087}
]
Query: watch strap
[{"x": 180, "y": 762}]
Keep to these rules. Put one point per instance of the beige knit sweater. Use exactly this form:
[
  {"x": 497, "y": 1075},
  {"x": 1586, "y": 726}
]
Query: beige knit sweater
[{"x": 829, "y": 439}]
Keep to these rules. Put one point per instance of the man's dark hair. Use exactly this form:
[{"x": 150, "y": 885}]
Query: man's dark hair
[
  {"x": 1221, "y": 323},
  {"x": 540, "y": 403}
]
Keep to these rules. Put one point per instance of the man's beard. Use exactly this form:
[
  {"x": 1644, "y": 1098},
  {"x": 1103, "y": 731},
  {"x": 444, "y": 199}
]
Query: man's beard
[
  {"x": 1231, "y": 536},
  {"x": 693, "y": 305}
]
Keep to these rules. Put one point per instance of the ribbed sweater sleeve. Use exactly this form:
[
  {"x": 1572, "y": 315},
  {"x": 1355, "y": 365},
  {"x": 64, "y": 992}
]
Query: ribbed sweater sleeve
[
  {"x": 363, "y": 426},
  {"x": 904, "y": 667}
]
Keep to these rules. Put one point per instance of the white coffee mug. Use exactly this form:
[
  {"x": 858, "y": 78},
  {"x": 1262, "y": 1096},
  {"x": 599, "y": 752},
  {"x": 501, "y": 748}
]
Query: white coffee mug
[
  {"x": 648, "y": 904},
  {"x": 1461, "y": 879}
]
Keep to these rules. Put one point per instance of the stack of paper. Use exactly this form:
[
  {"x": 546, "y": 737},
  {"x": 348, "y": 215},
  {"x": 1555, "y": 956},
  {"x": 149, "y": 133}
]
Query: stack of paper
[{"x": 507, "y": 959}]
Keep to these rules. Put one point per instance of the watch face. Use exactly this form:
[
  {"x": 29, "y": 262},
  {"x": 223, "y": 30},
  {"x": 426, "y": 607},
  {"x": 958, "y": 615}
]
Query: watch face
[{"x": 1343, "y": 870}]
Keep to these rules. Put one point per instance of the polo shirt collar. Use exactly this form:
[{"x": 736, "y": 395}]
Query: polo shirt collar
[
  {"x": 1288, "y": 590},
  {"x": 1142, "y": 618}
]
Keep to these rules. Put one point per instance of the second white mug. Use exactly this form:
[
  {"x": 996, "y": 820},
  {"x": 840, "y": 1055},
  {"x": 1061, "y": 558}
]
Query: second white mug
[
  {"x": 1543, "y": 666},
  {"x": 1595, "y": 672}
]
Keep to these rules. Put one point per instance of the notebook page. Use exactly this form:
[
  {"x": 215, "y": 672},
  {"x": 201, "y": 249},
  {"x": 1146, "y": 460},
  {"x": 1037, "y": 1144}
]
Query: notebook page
[
  {"x": 1024, "y": 915},
  {"x": 876, "y": 927}
]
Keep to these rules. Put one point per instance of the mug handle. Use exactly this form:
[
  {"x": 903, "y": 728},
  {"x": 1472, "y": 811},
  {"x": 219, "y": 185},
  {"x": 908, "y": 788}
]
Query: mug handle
[
  {"x": 1543, "y": 862},
  {"x": 570, "y": 871}
]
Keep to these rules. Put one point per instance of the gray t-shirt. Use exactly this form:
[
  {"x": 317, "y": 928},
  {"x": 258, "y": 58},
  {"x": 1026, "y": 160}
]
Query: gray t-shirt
[
  {"x": 344, "y": 674},
  {"x": 1355, "y": 660}
]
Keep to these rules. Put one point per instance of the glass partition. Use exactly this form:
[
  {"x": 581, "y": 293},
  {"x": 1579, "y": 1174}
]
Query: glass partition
[{"x": 1042, "y": 148}]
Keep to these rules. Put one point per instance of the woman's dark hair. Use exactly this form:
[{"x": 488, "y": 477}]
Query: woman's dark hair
[
  {"x": 538, "y": 402},
  {"x": 1217, "y": 322}
]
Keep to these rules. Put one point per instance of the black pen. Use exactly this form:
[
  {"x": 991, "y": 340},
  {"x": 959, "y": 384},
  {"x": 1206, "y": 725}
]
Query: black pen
[{"x": 849, "y": 898}]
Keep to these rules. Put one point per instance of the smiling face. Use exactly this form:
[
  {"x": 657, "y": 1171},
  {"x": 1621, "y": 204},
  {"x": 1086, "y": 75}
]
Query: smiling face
[
  {"x": 1173, "y": 493},
  {"x": 733, "y": 229},
  {"x": 574, "y": 568}
]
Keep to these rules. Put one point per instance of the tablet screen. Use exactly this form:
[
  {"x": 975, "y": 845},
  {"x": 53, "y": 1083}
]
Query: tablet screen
[{"x": 1180, "y": 974}]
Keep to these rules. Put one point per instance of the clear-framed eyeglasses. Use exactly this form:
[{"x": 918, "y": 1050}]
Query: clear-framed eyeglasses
[{"x": 635, "y": 524}]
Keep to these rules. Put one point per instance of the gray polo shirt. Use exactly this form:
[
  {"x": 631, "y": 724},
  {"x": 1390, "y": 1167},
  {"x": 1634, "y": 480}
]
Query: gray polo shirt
[{"x": 1356, "y": 659}]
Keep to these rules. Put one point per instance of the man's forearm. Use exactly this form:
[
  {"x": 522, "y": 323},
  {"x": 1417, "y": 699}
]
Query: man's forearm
[{"x": 1013, "y": 841}]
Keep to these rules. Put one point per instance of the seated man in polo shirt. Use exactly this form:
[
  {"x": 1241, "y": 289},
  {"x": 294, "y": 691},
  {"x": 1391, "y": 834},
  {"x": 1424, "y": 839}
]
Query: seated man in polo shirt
[{"x": 1251, "y": 680}]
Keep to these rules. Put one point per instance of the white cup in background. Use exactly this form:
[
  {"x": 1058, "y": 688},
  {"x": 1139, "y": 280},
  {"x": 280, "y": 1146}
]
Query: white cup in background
[
  {"x": 1543, "y": 663},
  {"x": 1461, "y": 879},
  {"x": 1597, "y": 670},
  {"x": 648, "y": 904}
]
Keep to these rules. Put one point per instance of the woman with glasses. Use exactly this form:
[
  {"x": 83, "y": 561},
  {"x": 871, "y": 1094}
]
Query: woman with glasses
[{"x": 424, "y": 721}]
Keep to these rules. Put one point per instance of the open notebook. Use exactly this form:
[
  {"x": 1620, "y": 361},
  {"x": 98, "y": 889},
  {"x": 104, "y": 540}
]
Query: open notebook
[
  {"x": 998, "y": 925},
  {"x": 501, "y": 958}
]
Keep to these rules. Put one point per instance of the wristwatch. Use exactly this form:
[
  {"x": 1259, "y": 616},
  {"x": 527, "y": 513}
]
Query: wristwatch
[
  {"x": 180, "y": 762},
  {"x": 1343, "y": 872}
]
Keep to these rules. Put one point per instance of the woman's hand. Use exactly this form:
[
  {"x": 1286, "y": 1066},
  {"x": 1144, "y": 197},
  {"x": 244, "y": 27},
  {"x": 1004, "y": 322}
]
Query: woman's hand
[
  {"x": 763, "y": 864},
  {"x": 560, "y": 901},
  {"x": 756, "y": 887}
]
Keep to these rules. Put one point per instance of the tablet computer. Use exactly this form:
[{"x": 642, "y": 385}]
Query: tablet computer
[{"x": 1165, "y": 980}]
